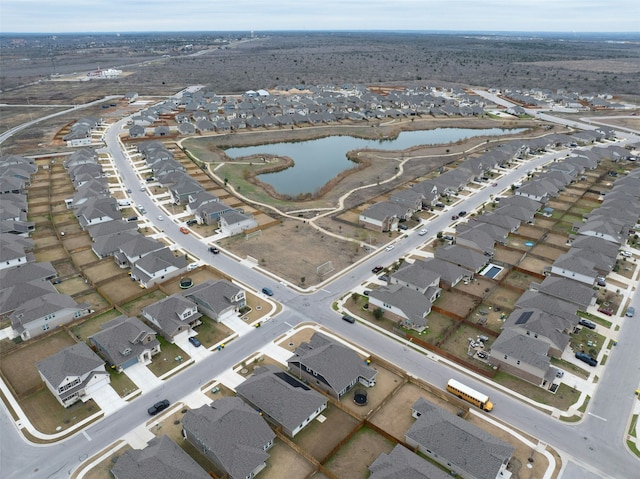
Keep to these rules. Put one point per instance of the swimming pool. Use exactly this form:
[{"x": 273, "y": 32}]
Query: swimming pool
[{"x": 491, "y": 271}]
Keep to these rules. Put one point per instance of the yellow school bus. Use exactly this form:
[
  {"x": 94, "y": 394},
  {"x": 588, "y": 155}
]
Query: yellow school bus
[{"x": 470, "y": 395}]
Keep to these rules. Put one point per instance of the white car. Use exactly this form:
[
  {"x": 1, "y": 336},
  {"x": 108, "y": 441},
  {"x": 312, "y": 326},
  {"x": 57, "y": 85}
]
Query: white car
[
  {"x": 389, "y": 248},
  {"x": 422, "y": 232},
  {"x": 626, "y": 254},
  {"x": 160, "y": 217},
  {"x": 193, "y": 266}
]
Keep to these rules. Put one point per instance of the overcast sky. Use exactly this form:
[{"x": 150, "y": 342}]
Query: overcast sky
[{"x": 60, "y": 16}]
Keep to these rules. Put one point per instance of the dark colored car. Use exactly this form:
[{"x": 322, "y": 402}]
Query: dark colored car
[
  {"x": 462, "y": 213},
  {"x": 607, "y": 311},
  {"x": 377, "y": 269},
  {"x": 402, "y": 226},
  {"x": 191, "y": 222},
  {"x": 267, "y": 291},
  {"x": 587, "y": 324},
  {"x": 454, "y": 217},
  {"x": 383, "y": 277},
  {"x": 158, "y": 407},
  {"x": 195, "y": 341},
  {"x": 584, "y": 357},
  {"x": 348, "y": 319},
  {"x": 214, "y": 250}
]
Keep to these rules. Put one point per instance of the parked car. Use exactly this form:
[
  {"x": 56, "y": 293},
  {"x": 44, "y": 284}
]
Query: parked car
[
  {"x": 626, "y": 254},
  {"x": 191, "y": 222},
  {"x": 403, "y": 227},
  {"x": 132, "y": 218},
  {"x": 214, "y": 250},
  {"x": 607, "y": 311},
  {"x": 587, "y": 324},
  {"x": 601, "y": 281},
  {"x": 377, "y": 269},
  {"x": 482, "y": 355},
  {"x": 184, "y": 230},
  {"x": 584, "y": 357},
  {"x": 439, "y": 205},
  {"x": 193, "y": 266},
  {"x": 384, "y": 277},
  {"x": 158, "y": 407},
  {"x": 267, "y": 291},
  {"x": 366, "y": 292},
  {"x": 422, "y": 232},
  {"x": 631, "y": 311},
  {"x": 348, "y": 319},
  {"x": 389, "y": 247},
  {"x": 195, "y": 341}
]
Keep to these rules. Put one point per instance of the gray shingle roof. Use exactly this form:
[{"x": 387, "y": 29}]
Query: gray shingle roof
[
  {"x": 459, "y": 442},
  {"x": 281, "y": 396},
  {"x": 161, "y": 459},
  {"x": 26, "y": 273},
  {"x": 76, "y": 360},
  {"x": 522, "y": 347},
  {"x": 401, "y": 463},
  {"x": 337, "y": 363},
  {"x": 231, "y": 431}
]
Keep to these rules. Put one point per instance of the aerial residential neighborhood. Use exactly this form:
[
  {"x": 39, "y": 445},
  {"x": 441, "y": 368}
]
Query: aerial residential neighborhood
[{"x": 172, "y": 305}]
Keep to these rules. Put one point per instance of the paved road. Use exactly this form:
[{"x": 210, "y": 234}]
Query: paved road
[{"x": 594, "y": 445}]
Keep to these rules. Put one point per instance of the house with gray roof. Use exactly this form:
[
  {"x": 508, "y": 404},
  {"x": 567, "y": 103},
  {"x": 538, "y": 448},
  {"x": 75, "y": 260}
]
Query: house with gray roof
[
  {"x": 234, "y": 222},
  {"x": 594, "y": 246},
  {"x": 549, "y": 328},
  {"x": 330, "y": 366},
  {"x": 464, "y": 257},
  {"x": 566, "y": 289},
  {"x": 27, "y": 273},
  {"x": 231, "y": 434},
  {"x": 504, "y": 222},
  {"x": 175, "y": 316},
  {"x": 401, "y": 463},
  {"x": 476, "y": 239},
  {"x": 417, "y": 276},
  {"x": 110, "y": 228},
  {"x": 450, "y": 274},
  {"x": 538, "y": 190},
  {"x": 97, "y": 210},
  {"x": 604, "y": 227},
  {"x": 404, "y": 305},
  {"x": 384, "y": 216},
  {"x": 456, "y": 444},
  {"x": 109, "y": 245},
  {"x": 158, "y": 266},
  {"x": 574, "y": 265},
  {"x": 523, "y": 355},
  {"x": 555, "y": 306},
  {"x": 138, "y": 246},
  {"x": 73, "y": 374},
  {"x": 219, "y": 300},
  {"x": 209, "y": 213},
  {"x": 124, "y": 341},
  {"x": 13, "y": 252},
  {"x": 17, "y": 294},
  {"x": 199, "y": 199},
  {"x": 49, "y": 311},
  {"x": 408, "y": 197},
  {"x": 160, "y": 459},
  {"x": 281, "y": 399}
]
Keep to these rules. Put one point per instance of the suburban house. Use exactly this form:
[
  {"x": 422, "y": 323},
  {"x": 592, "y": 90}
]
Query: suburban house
[
  {"x": 137, "y": 247},
  {"x": 27, "y": 273},
  {"x": 417, "y": 276},
  {"x": 330, "y": 366},
  {"x": 384, "y": 216},
  {"x": 124, "y": 342},
  {"x": 199, "y": 199},
  {"x": 463, "y": 257},
  {"x": 14, "y": 250},
  {"x": 219, "y": 300},
  {"x": 574, "y": 265},
  {"x": 231, "y": 434},
  {"x": 523, "y": 355},
  {"x": 403, "y": 305},
  {"x": 97, "y": 210},
  {"x": 73, "y": 374},
  {"x": 209, "y": 212},
  {"x": 49, "y": 311},
  {"x": 456, "y": 444},
  {"x": 234, "y": 222},
  {"x": 281, "y": 399},
  {"x": 401, "y": 463},
  {"x": 174, "y": 316},
  {"x": 161, "y": 459},
  {"x": 450, "y": 274},
  {"x": 554, "y": 330},
  {"x": 575, "y": 292},
  {"x": 158, "y": 266},
  {"x": 17, "y": 294}
]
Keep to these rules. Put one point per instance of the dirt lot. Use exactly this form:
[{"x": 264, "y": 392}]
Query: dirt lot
[
  {"x": 507, "y": 256},
  {"x": 455, "y": 303},
  {"x": 547, "y": 252},
  {"x": 19, "y": 367},
  {"x": 352, "y": 460},
  {"x": 285, "y": 250},
  {"x": 503, "y": 298},
  {"x": 386, "y": 382},
  {"x": 284, "y": 461},
  {"x": 533, "y": 264},
  {"x": 319, "y": 439}
]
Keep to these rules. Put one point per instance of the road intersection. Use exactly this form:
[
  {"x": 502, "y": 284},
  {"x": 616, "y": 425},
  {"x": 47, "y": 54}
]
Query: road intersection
[{"x": 594, "y": 446}]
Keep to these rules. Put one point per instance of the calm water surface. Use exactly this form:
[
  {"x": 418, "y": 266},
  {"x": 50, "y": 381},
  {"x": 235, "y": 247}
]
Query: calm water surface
[{"x": 318, "y": 161}]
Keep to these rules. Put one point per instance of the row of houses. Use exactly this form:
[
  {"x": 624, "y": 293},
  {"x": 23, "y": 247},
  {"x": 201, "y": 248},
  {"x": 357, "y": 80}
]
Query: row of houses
[
  {"x": 206, "y": 207},
  {"x": 27, "y": 296},
  {"x": 81, "y": 131},
  {"x": 548, "y": 99},
  {"x": 15, "y": 178},
  {"x": 545, "y": 316},
  {"x": 204, "y": 111}
]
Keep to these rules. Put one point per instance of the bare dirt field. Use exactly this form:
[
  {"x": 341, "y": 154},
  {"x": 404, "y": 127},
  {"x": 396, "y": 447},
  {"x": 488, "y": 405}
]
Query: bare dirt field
[
  {"x": 507, "y": 256},
  {"x": 556, "y": 240},
  {"x": 531, "y": 231},
  {"x": 284, "y": 461},
  {"x": 477, "y": 287},
  {"x": 319, "y": 439},
  {"x": 386, "y": 382},
  {"x": 19, "y": 367},
  {"x": 535, "y": 265},
  {"x": 547, "y": 252},
  {"x": 294, "y": 250},
  {"x": 353, "y": 459},
  {"x": 503, "y": 298},
  {"x": 452, "y": 302}
]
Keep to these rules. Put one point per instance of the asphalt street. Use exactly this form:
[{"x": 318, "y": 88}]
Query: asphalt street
[{"x": 593, "y": 446}]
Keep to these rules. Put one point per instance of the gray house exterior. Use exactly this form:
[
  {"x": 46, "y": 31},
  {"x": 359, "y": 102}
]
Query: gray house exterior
[
  {"x": 230, "y": 434},
  {"x": 282, "y": 399}
]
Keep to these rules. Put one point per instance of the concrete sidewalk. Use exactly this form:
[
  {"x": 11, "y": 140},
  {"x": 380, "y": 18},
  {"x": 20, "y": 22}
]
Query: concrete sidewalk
[{"x": 142, "y": 377}]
